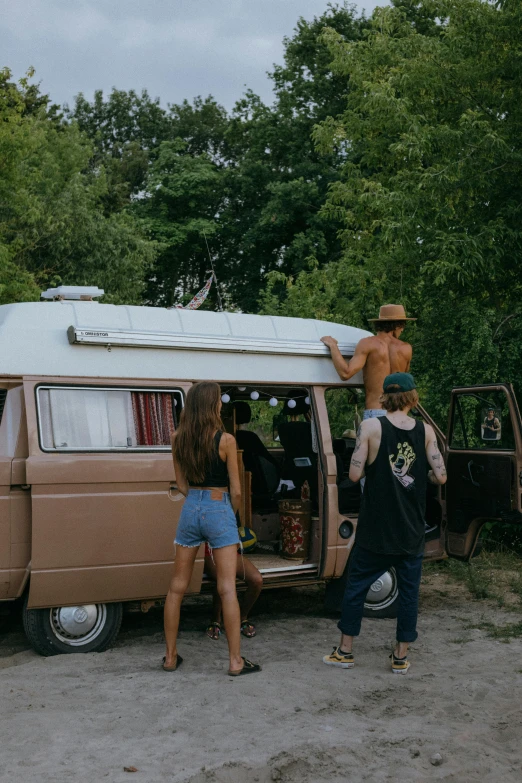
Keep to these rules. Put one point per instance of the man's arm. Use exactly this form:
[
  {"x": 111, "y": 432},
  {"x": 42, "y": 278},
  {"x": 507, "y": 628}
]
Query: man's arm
[
  {"x": 360, "y": 454},
  {"x": 347, "y": 370},
  {"x": 437, "y": 474}
]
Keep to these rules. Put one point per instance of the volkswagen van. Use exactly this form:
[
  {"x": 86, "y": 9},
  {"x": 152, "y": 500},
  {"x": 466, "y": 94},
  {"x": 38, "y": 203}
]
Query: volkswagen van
[{"x": 89, "y": 396}]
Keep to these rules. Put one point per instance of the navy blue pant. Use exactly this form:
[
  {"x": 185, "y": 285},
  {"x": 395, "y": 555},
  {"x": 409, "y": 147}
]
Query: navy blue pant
[{"x": 364, "y": 569}]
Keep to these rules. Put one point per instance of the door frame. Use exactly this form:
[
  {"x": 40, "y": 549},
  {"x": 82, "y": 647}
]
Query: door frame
[{"x": 463, "y": 545}]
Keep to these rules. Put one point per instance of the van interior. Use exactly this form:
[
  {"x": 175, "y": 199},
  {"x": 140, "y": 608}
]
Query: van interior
[{"x": 273, "y": 427}]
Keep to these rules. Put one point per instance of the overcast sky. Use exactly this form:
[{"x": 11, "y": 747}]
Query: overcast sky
[{"x": 175, "y": 49}]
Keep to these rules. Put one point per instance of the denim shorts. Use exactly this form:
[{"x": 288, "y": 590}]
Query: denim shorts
[{"x": 203, "y": 519}]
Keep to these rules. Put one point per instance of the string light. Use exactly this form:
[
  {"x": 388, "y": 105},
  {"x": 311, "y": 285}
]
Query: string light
[{"x": 255, "y": 395}]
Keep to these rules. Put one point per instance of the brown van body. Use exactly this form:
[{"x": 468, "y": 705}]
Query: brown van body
[
  {"x": 98, "y": 528},
  {"x": 88, "y": 527}
]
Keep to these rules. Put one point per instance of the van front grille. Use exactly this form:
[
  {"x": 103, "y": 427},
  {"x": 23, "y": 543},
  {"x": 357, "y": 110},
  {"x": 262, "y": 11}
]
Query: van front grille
[{"x": 3, "y": 395}]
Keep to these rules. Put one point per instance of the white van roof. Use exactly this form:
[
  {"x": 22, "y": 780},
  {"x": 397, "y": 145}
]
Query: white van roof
[{"x": 72, "y": 338}]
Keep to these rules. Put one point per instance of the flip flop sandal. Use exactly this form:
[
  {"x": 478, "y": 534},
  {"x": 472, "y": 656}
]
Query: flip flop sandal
[
  {"x": 212, "y": 628},
  {"x": 248, "y": 668},
  {"x": 244, "y": 626},
  {"x": 179, "y": 661}
]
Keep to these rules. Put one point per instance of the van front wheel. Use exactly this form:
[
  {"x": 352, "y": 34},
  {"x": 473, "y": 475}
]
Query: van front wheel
[{"x": 72, "y": 629}]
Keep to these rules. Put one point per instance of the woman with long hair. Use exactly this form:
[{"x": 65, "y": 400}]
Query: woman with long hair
[{"x": 205, "y": 464}]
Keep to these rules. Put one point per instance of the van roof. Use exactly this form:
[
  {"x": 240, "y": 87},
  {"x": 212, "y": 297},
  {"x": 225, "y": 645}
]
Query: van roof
[{"x": 71, "y": 339}]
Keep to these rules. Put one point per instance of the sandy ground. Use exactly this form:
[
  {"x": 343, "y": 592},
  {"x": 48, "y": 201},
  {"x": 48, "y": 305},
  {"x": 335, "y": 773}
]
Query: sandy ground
[{"x": 85, "y": 718}]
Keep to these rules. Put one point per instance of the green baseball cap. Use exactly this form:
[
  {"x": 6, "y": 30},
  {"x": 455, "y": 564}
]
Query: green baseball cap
[{"x": 398, "y": 382}]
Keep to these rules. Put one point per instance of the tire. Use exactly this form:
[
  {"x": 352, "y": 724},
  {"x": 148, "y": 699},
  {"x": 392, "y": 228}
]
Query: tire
[
  {"x": 73, "y": 629},
  {"x": 381, "y": 602}
]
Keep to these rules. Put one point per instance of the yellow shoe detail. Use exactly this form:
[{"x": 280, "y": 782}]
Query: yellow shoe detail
[
  {"x": 399, "y": 666},
  {"x": 337, "y": 658}
]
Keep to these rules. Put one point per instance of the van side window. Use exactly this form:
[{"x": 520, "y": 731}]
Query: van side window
[{"x": 102, "y": 419}]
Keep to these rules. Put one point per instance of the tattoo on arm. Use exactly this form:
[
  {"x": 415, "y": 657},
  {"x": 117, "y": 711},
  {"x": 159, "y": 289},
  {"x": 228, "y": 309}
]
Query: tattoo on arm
[
  {"x": 356, "y": 463},
  {"x": 358, "y": 441},
  {"x": 437, "y": 461}
]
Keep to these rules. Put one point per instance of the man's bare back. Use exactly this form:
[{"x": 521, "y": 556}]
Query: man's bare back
[
  {"x": 377, "y": 357},
  {"x": 384, "y": 354}
]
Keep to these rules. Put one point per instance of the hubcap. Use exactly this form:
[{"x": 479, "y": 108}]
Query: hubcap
[
  {"x": 78, "y": 625},
  {"x": 382, "y": 592}
]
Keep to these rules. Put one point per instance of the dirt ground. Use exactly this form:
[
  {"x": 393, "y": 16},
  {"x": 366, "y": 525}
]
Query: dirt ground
[{"x": 85, "y": 718}]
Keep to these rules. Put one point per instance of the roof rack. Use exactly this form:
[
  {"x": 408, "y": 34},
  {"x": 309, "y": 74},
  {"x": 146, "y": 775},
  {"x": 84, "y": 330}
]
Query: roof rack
[{"x": 83, "y": 293}]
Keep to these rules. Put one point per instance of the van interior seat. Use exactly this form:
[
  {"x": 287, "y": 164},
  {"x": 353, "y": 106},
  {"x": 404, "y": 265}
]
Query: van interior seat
[
  {"x": 296, "y": 440},
  {"x": 349, "y": 493},
  {"x": 256, "y": 457}
]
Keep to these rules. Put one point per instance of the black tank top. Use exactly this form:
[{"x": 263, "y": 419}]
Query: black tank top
[
  {"x": 217, "y": 472},
  {"x": 393, "y": 506}
]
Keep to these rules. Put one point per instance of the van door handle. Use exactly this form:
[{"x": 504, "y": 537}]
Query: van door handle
[
  {"x": 472, "y": 465},
  {"x": 25, "y": 487}
]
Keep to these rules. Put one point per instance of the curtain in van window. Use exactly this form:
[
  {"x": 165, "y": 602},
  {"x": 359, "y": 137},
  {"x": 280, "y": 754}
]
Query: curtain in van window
[
  {"x": 79, "y": 418},
  {"x": 86, "y": 418},
  {"x": 105, "y": 418},
  {"x": 154, "y": 418},
  {"x": 121, "y": 419}
]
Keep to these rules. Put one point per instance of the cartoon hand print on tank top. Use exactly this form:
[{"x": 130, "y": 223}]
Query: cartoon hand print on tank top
[{"x": 402, "y": 463}]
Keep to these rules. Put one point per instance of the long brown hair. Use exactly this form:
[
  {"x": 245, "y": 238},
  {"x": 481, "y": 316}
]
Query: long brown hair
[{"x": 193, "y": 444}]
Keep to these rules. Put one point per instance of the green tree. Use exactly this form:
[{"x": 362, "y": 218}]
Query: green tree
[
  {"x": 182, "y": 198},
  {"x": 430, "y": 195},
  {"x": 277, "y": 181},
  {"x": 52, "y": 225},
  {"x": 255, "y": 183}
]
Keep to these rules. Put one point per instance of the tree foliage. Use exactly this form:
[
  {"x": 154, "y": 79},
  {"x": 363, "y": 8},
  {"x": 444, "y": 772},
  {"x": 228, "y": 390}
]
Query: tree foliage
[
  {"x": 52, "y": 224},
  {"x": 430, "y": 194},
  {"x": 251, "y": 182},
  {"x": 387, "y": 168}
]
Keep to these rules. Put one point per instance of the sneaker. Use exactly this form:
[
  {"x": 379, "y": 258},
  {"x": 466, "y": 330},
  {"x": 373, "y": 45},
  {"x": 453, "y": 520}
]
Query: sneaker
[
  {"x": 399, "y": 665},
  {"x": 338, "y": 658}
]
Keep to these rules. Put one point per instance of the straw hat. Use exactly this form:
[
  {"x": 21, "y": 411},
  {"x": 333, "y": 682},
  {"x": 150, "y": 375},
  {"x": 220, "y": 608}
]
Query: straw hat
[{"x": 392, "y": 312}]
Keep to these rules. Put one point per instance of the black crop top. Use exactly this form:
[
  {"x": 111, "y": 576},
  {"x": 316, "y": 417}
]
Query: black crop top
[{"x": 217, "y": 472}]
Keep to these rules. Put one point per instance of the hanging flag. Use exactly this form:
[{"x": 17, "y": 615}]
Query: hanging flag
[{"x": 200, "y": 297}]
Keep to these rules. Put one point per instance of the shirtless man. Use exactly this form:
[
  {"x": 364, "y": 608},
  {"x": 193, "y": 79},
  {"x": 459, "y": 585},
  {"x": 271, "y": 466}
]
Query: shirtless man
[{"x": 376, "y": 356}]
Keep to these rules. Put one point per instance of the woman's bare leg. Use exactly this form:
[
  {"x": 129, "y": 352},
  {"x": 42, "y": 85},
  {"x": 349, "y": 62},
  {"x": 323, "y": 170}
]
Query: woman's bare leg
[
  {"x": 211, "y": 572},
  {"x": 225, "y": 559},
  {"x": 254, "y": 583},
  {"x": 183, "y": 566}
]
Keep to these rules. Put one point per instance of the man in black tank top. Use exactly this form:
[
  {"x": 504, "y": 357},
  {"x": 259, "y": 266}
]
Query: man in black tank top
[{"x": 395, "y": 452}]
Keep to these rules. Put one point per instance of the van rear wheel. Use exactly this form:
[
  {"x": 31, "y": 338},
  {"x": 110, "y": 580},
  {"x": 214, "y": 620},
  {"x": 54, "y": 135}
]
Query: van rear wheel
[
  {"x": 72, "y": 629},
  {"x": 381, "y": 601}
]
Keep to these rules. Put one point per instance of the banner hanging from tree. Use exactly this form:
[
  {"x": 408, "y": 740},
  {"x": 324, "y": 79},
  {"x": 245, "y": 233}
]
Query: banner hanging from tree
[{"x": 200, "y": 297}]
